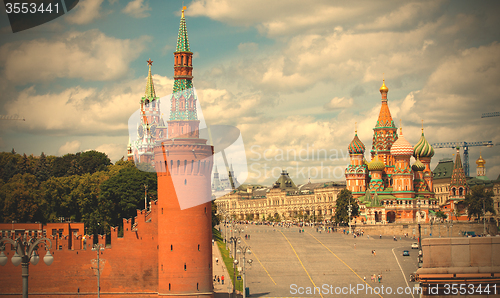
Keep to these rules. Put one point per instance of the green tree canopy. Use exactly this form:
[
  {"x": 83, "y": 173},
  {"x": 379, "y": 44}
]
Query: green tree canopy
[
  {"x": 342, "y": 209},
  {"x": 474, "y": 201},
  {"x": 125, "y": 192}
]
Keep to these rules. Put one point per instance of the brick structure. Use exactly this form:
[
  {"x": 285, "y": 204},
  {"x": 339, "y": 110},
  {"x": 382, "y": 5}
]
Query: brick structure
[{"x": 166, "y": 250}]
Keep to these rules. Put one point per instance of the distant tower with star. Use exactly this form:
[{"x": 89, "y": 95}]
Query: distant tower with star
[{"x": 150, "y": 127}]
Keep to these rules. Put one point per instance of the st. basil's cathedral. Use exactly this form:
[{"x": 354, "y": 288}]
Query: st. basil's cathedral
[{"x": 389, "y": 188}]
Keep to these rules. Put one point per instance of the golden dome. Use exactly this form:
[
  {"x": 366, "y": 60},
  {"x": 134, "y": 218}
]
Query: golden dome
[
  {"x": 480, "y": 161},
  {"x": 384, "y": 87}
]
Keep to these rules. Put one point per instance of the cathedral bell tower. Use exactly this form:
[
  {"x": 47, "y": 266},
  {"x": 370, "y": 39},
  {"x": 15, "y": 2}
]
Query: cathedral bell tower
[{"x": 184, "y": 165}]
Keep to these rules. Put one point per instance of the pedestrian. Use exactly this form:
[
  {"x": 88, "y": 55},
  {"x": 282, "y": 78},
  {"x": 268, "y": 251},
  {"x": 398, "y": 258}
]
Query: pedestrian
[
  {"x": 218, "y": 280},
  {"x": 379, "y": 278},
  {"x": 222, "y": 278},
  {"x": 373, "y": 277},
  {"x": 216, "y": 261},
  {"x": 215, "y": 278},
  {"x": 213, "y": 242},
  {"x": 364, "y": 279},
  {"x": 374, "y": 253}
]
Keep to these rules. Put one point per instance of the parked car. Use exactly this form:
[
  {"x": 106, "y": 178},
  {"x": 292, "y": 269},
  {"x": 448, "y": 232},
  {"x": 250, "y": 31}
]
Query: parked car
[
  {"x": 414, "y": 245},
  {"x": 406, "y": 253}
]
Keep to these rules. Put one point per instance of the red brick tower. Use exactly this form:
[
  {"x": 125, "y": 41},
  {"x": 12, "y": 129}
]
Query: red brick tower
[{"x": 184, "y": 164}]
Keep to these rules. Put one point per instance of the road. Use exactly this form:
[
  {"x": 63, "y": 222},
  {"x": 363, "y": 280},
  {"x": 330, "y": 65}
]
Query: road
[{"x": 287, "y": 263}]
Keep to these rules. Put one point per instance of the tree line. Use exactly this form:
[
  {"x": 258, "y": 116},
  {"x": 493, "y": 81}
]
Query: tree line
[{"x": 83, "y": 187}]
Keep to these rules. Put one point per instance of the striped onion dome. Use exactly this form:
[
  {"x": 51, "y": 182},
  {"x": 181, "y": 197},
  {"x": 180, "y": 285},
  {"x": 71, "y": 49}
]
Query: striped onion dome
[
  {"x": 423, "y": 148},
  {"x": 418, "y": 166},
  {"x": 376, "y": 164},
  {"x": 356, "y": 146},
  {"x": 401, "y": 147}
]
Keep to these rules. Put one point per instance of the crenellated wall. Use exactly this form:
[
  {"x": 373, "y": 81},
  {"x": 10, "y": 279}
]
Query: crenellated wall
[{"x": 128, "y": 266}]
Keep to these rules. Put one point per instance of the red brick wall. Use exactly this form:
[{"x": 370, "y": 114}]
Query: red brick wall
[{"x": 129, "y": 264}]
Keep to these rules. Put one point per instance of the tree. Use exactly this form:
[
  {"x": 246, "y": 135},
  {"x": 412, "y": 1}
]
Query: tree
[
  {"x": 125, "y": 192},
  {"x": 476, "y": 199},
  {"x": 215, "y": 216},
  {"x": 441, "y": 215},
  {"x": 342, "y": 209},
  {"x": 42, "y": 169},
  {"x": 93, "y": 161},
  {"x": 20, "y": 200}
]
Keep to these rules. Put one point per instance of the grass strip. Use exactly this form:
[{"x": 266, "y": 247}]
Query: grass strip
[{"x": 228, "y": 260}]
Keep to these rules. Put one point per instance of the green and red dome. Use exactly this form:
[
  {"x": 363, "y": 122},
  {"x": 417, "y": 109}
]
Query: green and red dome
[
  {"x": 423, "y": 148},
  {"x": 356, "y": 146}
]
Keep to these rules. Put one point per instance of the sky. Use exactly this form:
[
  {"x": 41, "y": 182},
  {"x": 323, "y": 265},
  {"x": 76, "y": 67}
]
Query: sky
[{"x": 296, "y": 78}]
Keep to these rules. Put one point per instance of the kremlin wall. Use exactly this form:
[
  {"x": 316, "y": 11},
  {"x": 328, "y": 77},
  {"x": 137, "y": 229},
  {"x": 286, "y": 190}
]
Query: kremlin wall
[{"x": 165, "y": 250}]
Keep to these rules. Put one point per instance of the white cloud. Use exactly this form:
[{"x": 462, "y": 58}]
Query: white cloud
[
  {"x": 90, "y": 55},
  {"x": 70, "y": 147},
  {"x": 338, "y": 103},
  {"x": 85, "y": 12},
  {"x": 83, "y": 111},
  {"x": 114, "y": 151},
  {"x": 137, "y": 9}
]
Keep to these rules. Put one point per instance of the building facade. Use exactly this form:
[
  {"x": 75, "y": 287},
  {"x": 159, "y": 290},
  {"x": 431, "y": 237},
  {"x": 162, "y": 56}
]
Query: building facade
[{"x": 283, "y": 200}]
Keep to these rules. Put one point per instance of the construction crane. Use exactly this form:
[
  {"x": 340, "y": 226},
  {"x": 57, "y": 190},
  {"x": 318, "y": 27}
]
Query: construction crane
[
  {"x": 466, "y": 146},
  {"x": 11, "y": 117},
  {"x": 493, "y": 114}
]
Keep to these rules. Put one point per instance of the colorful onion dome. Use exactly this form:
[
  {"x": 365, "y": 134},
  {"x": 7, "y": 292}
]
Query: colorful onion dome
[
  {"x": 423, "y": 148},
  {"x": 401, "y": 147},
  {"x": 376, "y": 164},
  {"x": 418, "y": 166},
  {"x": 384, "y": 87},
  {"x": 480, "y": 161},
  {"x": 356, "y": 146}
]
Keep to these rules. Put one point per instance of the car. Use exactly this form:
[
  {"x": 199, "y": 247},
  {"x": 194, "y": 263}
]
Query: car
[
  {"x": 414, "y": 245},
  {"x": 406, "y": 253}
]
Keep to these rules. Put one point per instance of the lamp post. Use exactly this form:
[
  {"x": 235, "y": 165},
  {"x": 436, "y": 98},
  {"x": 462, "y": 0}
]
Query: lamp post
[
  {"x": 235, "y": 241},
  {"x": 25, "y": 252},
  {"x": 419, "y": 227},
  {"x": 98, "y": 248},
  {"x": 349, "y": 218},
  {"x": 245, "y": 250}
]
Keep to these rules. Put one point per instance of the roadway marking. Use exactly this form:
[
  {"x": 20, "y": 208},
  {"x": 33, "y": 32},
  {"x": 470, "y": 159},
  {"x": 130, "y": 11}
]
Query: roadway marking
[
  {"x": 342, "y": 262},
  {"x": 404, "y": 276},
  {"x": 260, "y": 263},
  {"x": 301, "y": 263}
]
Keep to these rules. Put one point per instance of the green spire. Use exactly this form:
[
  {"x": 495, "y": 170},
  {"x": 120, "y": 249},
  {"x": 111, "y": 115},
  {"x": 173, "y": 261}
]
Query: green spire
[
  {"x": 150, "y": 88},
  {"x": 182, "y": 39}
]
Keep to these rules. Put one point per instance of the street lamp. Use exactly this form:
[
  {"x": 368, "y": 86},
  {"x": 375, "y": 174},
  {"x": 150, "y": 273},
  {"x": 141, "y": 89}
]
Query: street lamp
[
  {"x": 98, "y": 248},
  {"x": 25, "y": 252},
  {"x": 349, "y": 218},
  {"x": 245, "y": 250},
  {"x": 235, "y": 240}
]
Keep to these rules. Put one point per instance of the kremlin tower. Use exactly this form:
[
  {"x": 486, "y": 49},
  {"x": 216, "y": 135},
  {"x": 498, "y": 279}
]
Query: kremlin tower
[
  {"x": 184, "y": 164},
  {"x": 150, "y": 127},
  {"x": 389, "y": 188}
]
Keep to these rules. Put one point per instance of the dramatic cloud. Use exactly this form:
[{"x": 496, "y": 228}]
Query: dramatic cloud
[
  {"x": 89, "y": 55},
  {"x": 85, "y": 12},
  {"x": 137, "y": 9}
]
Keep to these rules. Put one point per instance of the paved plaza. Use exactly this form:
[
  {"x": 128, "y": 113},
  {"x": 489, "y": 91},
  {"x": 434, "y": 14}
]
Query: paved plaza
[{"x": 287, "y": 263}]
